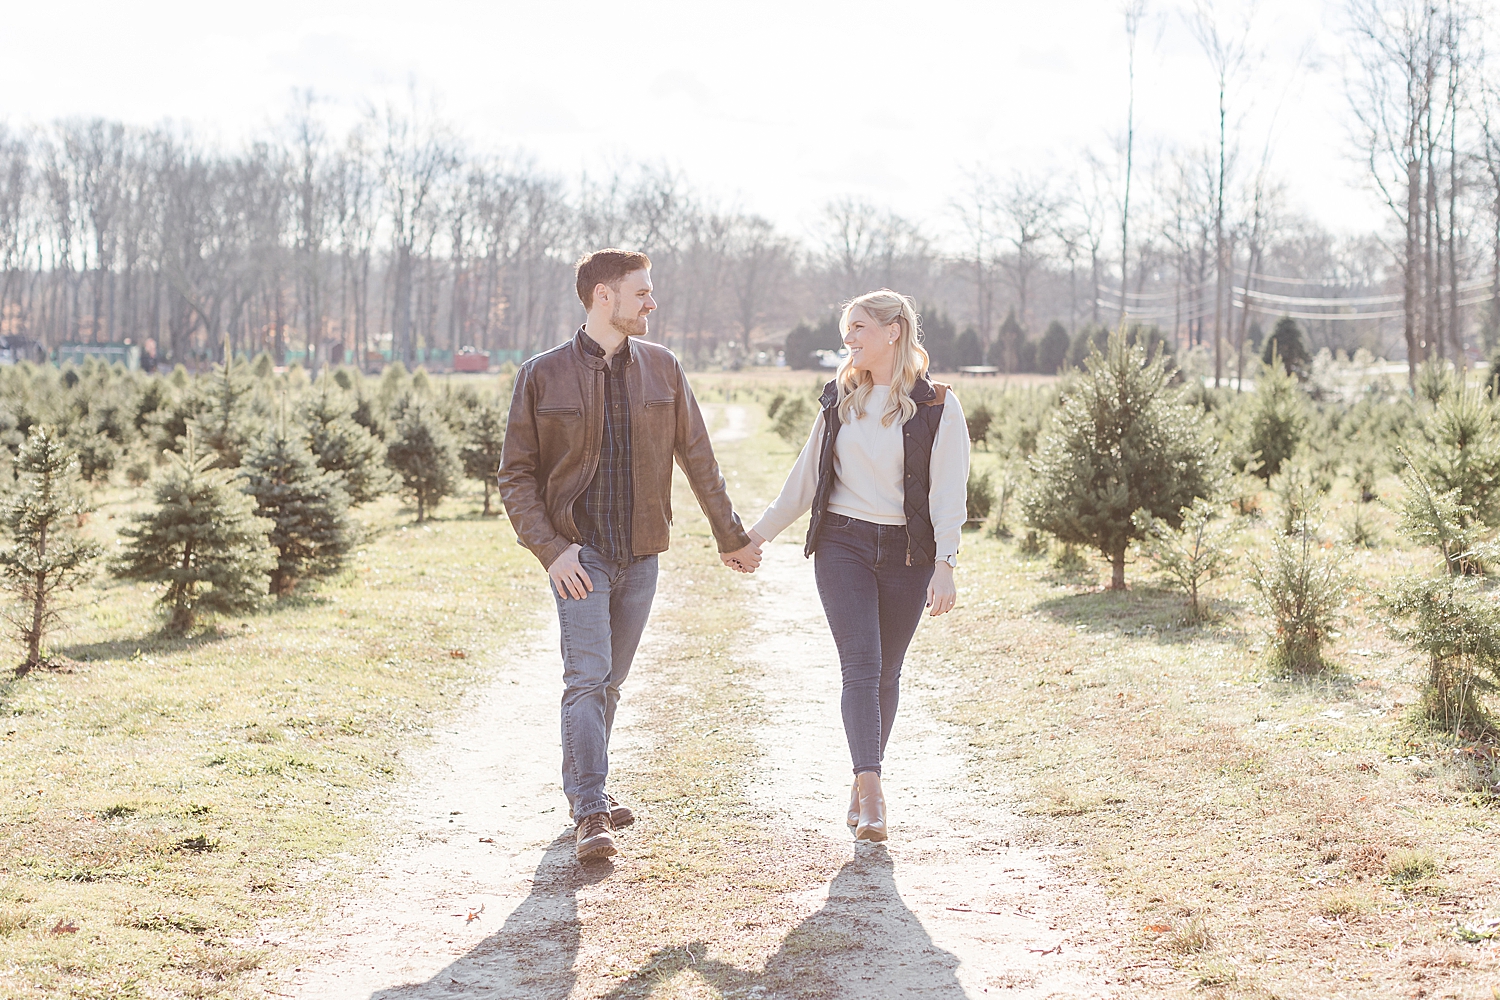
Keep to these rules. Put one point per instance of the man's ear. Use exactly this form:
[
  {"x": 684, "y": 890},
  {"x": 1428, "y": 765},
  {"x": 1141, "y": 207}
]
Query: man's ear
[{"x": 602, "y": 292}]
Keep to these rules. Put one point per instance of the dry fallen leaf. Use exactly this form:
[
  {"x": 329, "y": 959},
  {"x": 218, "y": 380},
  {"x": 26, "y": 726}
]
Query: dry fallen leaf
[
  {"x": 457, "y": 654},
  {"x": 65, "y": 928},
  {"x": 486, "y": 840},
  {"x": 1158, "y": 928},
  {"x": 474, "y": 914}
]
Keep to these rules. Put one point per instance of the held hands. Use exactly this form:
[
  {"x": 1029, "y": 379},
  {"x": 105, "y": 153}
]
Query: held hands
[
  {"x": 747, "y": 559},
  {"x": 941, "y": 593},
  {"x": 568, "y": 575}
]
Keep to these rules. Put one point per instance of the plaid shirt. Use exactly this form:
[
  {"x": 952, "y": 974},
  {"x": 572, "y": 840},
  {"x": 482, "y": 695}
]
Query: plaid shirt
[{"x": 604, "y": 511}]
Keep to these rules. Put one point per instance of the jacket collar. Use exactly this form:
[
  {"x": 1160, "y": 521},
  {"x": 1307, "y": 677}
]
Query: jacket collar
[{"x": 921, "y": 392}]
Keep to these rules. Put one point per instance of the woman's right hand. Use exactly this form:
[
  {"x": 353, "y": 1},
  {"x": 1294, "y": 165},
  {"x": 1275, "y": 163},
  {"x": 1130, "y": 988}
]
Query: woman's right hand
[{"x": 755, "y": 538}]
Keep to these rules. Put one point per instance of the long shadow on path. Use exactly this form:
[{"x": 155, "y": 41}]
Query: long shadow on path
[
  {"x": 533, "y": 954},
  {"x": 864, "y": 941}
]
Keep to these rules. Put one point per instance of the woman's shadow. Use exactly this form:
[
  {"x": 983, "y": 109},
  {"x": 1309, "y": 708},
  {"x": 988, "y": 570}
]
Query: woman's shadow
[
  {"x": 533, "y": 953},
  {"x": 864, "y": 941}
]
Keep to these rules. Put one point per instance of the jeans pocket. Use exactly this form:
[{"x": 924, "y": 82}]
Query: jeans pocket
[{"x": 837, "y": 520}]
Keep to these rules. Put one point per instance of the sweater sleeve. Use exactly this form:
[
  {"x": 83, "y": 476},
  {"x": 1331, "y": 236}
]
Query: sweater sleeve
[
  {"x": 796, "y": 497},
  {"x": 948, "y": 497}
]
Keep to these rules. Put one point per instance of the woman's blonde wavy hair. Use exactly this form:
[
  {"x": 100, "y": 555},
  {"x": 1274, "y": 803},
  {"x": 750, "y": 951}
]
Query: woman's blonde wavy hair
[{"x": 884, "y": 307}]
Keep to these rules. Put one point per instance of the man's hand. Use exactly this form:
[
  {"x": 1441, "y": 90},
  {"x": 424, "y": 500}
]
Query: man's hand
[
  {"x": 941, "y": 593},
  {"x": 568, "y": 575},
  {"x": 744, "y": 560}
]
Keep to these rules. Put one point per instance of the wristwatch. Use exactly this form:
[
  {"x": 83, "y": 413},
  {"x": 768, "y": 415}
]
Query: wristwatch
[{"x": 952, "y": 560}]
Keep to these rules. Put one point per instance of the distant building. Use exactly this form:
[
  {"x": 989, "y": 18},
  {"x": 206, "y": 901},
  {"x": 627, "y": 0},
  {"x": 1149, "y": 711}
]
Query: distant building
[{"x": 126, "y": 353}]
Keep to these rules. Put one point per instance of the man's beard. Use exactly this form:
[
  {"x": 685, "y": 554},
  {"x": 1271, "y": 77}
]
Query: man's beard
[{"x": 630, "y": 326}]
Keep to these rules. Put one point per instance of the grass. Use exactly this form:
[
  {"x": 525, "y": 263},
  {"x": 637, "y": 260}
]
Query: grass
[
  {"x": 169, "y": 797},
  {"x": 175, "y": 800},
  {"x": 1265, "y": 801}
]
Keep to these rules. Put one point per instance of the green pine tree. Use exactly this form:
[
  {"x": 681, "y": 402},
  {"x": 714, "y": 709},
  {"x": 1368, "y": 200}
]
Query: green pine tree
[
  {"x": 200, "y": 540},
  {"x": 342, "y": 445},
  {"x": 1121, "y": 440},
  {"x": 1005, "y": 352},
  {"x": 1285, "y": 345},
  {"x": 1052, "y": 350},
  {"x": 1458, "y": 449},
  {"x": 481, "y": 451},
  {"x": 227, "y": 425},
  {"x": 968, "y": 350},
  {"x": 1278, "y": 419},
  {"x": 422, "y": 452},
  {"x": 313, "y": 533},
  {"x": 43, "y": 555}
]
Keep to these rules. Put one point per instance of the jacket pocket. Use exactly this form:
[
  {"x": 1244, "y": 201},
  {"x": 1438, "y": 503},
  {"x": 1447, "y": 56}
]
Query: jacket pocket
[{"x": 558, "y": 411}]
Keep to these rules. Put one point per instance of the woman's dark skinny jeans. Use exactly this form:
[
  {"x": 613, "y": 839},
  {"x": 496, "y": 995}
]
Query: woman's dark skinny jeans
[{"x": 873, "y": 602}]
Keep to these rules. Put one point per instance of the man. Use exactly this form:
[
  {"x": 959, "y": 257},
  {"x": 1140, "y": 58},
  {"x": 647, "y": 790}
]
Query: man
[{"x": 586, "y": 476}]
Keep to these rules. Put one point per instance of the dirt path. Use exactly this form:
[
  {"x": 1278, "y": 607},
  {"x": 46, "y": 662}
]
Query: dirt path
[
  {"x": 491, "y": 772},
  {"x": 960, "y": 909},
  {"x": 478, "y": 893}
]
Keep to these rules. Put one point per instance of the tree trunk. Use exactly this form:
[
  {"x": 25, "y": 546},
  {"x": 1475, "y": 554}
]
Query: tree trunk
[
  {"x": 1411, "y": 290},
  {"x": 1117, "y": 570}
]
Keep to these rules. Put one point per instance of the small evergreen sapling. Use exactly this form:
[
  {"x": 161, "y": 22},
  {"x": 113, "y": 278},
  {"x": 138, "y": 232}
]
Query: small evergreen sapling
[
  {"x": 309, "y": 508},
  {"x": 792, "y": 419},
  {"x": 484, "y": 438},
  {"x": 1459, "y": 450},
  {"x": 979, "y": 421},
  {"x": 1457, "y": 624},
  {"x": 1189, "y": 555},
  {"x": 1303, "y": 588},
  {"x": 227, "y": 422},
  {"x": 200, "y": 541},
  {"x": 1123, "y": 439},
  {"x": 43, "y": 555},
  {"x": 344, "y": 446},
  {"x": 1278, "y": 419},
  {"x": 1450, "y": 616},
  {"x": 980, "y": 497},
  {"x": 422, "y": 452}
]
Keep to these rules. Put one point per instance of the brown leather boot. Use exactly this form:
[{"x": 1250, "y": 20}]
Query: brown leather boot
[
  {"x": 595, "y": 838},
  {"x": 854, "y": 804},
  {"x": 619, "y": 816},
  {"x": 871, "y": 807}
]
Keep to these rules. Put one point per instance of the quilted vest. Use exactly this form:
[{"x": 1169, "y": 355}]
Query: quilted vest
[{"x": 917, "y": 437}]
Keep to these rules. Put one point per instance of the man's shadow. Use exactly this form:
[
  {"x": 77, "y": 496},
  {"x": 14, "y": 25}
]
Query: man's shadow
[
  {"x": 533, "y": 953},
  {"x": 864, "y": 941}
]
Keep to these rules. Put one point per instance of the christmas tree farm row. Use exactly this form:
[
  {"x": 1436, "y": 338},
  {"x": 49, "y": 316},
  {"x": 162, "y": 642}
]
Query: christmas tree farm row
[{"x": 251, "y": 476}]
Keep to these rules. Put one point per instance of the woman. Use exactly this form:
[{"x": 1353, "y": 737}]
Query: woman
[{"x": 884, "y": 473}]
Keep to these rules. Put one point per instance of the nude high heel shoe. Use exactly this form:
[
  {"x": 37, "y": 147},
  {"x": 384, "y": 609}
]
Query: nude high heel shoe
[
  {"x": 854, "y": 805},
  {"x": 871, "y": 808}
]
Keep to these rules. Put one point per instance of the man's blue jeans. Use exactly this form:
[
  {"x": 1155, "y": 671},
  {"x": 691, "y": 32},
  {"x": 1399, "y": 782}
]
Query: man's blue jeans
[
  {"x": 599, "y": 637},
  {"x": 873, "y": 602}
]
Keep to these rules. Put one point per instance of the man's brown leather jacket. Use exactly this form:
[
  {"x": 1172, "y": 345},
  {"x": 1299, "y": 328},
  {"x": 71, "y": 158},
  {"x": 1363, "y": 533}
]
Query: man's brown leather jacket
[{"x": 552, "y": 444}]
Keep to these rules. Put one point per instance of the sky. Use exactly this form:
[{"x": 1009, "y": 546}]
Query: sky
[{"x": 775, "y": 107}]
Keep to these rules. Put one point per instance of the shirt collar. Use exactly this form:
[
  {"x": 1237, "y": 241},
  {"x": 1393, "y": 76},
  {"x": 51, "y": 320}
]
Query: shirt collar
[{"x": 592, "y": 348}]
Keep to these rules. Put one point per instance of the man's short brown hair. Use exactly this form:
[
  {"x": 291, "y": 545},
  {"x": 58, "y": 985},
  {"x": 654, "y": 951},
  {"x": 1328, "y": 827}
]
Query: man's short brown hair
[{"x": 606, "y": 267}]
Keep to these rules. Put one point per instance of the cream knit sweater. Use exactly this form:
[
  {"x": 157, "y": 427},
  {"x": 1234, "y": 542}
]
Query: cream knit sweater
[{"x": 868, "y": 460}]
